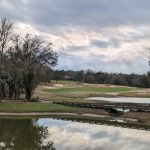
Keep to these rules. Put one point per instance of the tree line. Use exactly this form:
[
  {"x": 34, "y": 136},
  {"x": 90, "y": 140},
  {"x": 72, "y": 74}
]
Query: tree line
[
  {"x": 92, "y": 77},
  {"x": 24, "y": 62}
]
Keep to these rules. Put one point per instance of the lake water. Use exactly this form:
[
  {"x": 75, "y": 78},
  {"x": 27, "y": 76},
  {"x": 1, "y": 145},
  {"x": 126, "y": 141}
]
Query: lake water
[
  {"x": 51, "y": 134},
  {"x": 122, "y": 99}
]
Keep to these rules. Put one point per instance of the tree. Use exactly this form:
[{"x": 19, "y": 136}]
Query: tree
[
  {"x": 89, "y": 76},
  {"x": 6, "y": 28},
  {"x": 79, "y": 76},
  {"x": 32, "y": 58},
  {"x": 59, "y": 75},
  {"x": 24, "y": 62}
]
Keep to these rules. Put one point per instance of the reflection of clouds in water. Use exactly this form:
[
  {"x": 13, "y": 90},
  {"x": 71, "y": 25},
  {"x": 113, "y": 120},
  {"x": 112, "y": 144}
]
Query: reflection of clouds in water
[{"x": 69, "y": 135}]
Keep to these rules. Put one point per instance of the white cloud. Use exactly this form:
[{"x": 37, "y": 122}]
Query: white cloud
[
  {"x": 123, "y": 44},
  {"x": 6, "y": 4}
]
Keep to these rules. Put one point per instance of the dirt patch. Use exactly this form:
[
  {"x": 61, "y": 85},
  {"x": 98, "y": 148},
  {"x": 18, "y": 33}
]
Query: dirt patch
[
  {"x": 58, "y": 85},
  {"x": 48, "y": 87},
  {"x": 138, "y": 115}
]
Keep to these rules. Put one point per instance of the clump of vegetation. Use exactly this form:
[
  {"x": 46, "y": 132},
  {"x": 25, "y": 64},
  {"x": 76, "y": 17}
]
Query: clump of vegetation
[{"x": 24, "y": 61}]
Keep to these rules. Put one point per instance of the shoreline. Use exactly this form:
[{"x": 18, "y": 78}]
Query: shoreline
[
  {"x": 34, "y": 113},
  {"x": 50, "y": 114},
  {"x": 84, "y": 118}
]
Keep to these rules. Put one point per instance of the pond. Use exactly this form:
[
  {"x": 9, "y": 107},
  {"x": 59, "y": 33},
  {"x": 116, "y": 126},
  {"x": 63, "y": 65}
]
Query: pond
[
  {"x": 53, "y": 134},
  {"x": 122, "y": 99}
]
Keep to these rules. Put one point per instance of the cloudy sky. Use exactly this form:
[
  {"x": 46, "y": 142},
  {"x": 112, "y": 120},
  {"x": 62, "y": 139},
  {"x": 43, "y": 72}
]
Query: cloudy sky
[{"x": 102, "y": 35}]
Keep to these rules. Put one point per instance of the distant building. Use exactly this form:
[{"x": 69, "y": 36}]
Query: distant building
[{"x": 67, "y": 77}]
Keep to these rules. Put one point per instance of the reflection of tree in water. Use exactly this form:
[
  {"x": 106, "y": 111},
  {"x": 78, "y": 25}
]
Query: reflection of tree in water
[{"x": 23, "y": 135}]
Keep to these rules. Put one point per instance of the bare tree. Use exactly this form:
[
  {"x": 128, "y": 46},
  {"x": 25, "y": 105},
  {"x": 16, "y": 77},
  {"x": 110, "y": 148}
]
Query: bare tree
[
  {"x": 6, "y": 28},
  {"x": 23, "y": 61},
  {"x": 33, "y": 57}
]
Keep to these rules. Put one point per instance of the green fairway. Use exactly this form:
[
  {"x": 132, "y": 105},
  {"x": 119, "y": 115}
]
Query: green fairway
[
  {"x": 72, "y": 91},
  {"x": 88, "y": 89},
  {"x": 34, "y": 107}
]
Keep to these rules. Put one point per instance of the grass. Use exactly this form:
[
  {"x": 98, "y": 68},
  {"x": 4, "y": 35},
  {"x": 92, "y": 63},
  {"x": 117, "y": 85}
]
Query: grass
[
  {"x": 135, "y": 94},
  {"x": 26, "y": 107},
  {"x": 34, "y": 107},
  {"x": 87, "y": 90},
  {"x": 71, "y": 91}
]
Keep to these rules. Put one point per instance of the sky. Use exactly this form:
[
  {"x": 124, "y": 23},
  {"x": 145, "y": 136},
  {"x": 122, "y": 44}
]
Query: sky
[{"x": 102, "y": 35}]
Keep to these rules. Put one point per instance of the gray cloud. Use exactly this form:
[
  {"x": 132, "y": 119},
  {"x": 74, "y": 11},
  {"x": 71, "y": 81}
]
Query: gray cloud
[
  {"x": 97, "y": 63},
  {"x": 107, "y": 35},
  {"x": 86, "y": 12},
  {"x": 103, "y": 44}
]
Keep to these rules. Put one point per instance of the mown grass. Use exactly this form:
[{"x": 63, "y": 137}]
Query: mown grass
[
  {"x": 34, "y": 107},
  {"x": 77, "y": 92},
  {"x": 88, "y": 90}
]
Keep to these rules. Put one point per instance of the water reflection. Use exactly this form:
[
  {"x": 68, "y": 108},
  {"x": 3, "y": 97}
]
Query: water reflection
[
  {"x": 23, "y": 135},
  {"x": 69, "y": 135}
]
